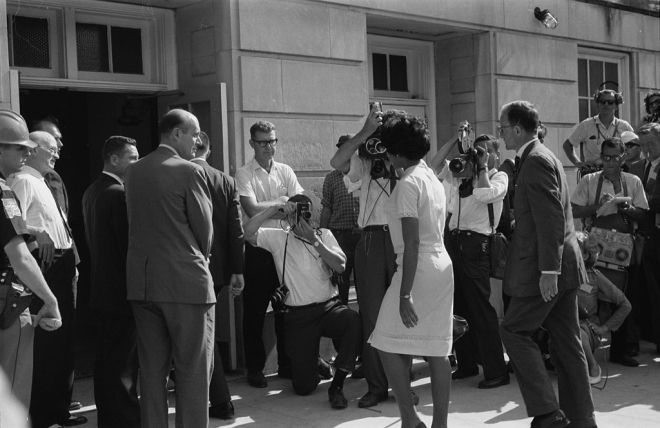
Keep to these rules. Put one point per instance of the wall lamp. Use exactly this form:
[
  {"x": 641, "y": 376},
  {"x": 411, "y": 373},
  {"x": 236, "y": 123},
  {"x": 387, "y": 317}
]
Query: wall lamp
[{"x": 546, "y": 18}]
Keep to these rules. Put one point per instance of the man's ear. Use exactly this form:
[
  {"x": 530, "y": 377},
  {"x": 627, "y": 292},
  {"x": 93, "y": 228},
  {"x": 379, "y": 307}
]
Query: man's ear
[{"x": 114, "y": 159}]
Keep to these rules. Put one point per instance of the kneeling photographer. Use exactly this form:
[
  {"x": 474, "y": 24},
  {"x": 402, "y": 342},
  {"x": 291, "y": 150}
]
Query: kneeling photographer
[
  {"x": 475, "y": 192},
  {"x": 305, "y": 258}
]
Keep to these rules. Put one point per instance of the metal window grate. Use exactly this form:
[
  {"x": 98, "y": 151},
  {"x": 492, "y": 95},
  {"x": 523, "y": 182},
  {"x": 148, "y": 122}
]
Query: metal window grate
[
  {"x": 30, "y": 45},
  {"x": 92, "y": 47}
]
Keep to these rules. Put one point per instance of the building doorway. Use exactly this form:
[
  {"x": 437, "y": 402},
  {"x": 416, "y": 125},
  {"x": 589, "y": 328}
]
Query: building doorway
[{"x": 86, "y": 119}]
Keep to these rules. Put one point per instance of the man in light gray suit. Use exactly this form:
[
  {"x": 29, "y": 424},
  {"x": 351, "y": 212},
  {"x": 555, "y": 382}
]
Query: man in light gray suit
[
  {"x": 168, "y": 279},
  {"x": 542, "y": 275}
]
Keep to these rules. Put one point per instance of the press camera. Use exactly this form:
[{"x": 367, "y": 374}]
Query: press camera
[{"x": 303, "y": 211}]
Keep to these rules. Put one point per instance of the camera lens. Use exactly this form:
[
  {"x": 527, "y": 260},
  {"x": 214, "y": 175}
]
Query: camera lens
[{"x": 457, "y": 165}]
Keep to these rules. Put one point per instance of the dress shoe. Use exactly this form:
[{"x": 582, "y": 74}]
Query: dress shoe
[
  {"x": 371, "y": 399},
  {"x": 257, "y": 380},
  {"x": 336, "y": 398},
  {"x": 625, "y": 360},
  {"x": 462, "y": 374},
  {"x": 358, "y": 373},
  {"x": 494, "y": 382},
  {"x": 73, "y": 420},
  {"x": 555, "y": 419},
  {"x": 75, "y": 405},
  {"x": 223, "y": 411},
  {"x": 326, "y": 371}
]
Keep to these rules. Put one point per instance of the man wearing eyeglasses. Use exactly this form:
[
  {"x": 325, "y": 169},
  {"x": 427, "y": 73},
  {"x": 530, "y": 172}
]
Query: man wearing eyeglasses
[
  {"x": 614, "y": 200},
  {"x": 589, "y": 134},
  {"x": 53, "y": 354},
  {"x": 633, "y": 161},
  {"x": 262, "y": 183}
]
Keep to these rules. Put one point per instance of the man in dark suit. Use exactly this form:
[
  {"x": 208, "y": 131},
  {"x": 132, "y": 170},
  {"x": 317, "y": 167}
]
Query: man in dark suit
[
  {"x": 542, "y": 276},
  {"x": 168, "y": 279},
  {"x": 106, "y": 231},
  {"x": 227, "y": 262}
]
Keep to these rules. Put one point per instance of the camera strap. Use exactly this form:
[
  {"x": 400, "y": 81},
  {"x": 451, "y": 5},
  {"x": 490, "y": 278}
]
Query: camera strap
[{"x": 286, "y": 245}]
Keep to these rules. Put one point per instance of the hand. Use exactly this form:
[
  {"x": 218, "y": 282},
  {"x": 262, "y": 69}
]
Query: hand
[
  {"x": 548, "y": 286},
  {"x": 279, "y": 210},
  {"x": 482, "y": 156},
  {"x": 304, "y": 230},
  {"x": 600, "y": 330},
  {"x": 236, "y": 284},
  {"x": 606, "y": 198},
  {"x": 46, "y": 248},
  {"x": 49, "y": 317},
  {"x": 407, "y": 312},
  {"x": 374, "y": 120}
]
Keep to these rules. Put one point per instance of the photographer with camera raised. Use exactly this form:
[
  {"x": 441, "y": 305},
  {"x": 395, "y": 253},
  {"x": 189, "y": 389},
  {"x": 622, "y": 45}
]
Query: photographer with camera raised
[
  {"x": 613, "y": 200},
  {"x": 368, "y": 175},
  {"x": 474, "y": 187},
  {"x": 305, "y": 259}
]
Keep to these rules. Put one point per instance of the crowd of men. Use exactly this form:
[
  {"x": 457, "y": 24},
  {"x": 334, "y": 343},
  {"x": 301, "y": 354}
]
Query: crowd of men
[{"x": 166, "y": 233}]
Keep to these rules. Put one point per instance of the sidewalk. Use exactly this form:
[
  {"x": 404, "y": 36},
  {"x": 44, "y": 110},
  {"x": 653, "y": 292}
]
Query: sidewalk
[{"x": 631, "y": 399}]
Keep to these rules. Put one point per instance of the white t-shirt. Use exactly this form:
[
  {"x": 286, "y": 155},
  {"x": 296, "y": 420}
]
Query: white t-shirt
[{"x": 306, "y": 274}]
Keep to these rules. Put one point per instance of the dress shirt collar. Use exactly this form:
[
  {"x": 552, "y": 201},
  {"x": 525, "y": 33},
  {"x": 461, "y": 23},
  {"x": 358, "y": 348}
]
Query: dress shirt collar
[
  {"x": 29, "y": 170},
  {"x": 115, "y": 176},
  {"x": 198, "y": 159},
  {"x": 255, "y": 165},
  {"x": 521, "y": 150},
  {"x": 167, "y": 146}
]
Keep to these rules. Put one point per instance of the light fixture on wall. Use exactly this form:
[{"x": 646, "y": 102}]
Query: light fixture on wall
[{"x": 546, "y": 18}]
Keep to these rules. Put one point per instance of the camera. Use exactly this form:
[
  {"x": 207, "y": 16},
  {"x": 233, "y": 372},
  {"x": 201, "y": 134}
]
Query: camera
[
  {"x": 303, "y": 211},
  {"x": 278, "y": 297},
  {"x": 466, "y": 165}
]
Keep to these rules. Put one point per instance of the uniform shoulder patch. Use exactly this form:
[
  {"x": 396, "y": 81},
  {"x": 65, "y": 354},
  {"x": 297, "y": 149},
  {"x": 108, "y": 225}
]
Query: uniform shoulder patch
[{"x": 11, "y": 208}]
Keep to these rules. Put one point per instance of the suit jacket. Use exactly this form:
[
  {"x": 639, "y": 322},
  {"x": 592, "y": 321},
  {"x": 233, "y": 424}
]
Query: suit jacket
[
  {"x": 227, "y": 249},
  {"x": 544, "y": 238},
  {"x": 106, "y": 232},
  {"x": 169, "y": 230}
]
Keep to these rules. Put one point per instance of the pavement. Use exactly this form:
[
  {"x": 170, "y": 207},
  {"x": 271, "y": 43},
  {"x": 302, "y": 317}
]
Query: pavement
[{"x": 629, "y": 399}]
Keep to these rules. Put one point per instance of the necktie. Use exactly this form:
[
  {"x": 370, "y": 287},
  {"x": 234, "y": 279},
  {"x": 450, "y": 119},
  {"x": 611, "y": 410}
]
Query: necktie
[{"x": 652, "y": 180}]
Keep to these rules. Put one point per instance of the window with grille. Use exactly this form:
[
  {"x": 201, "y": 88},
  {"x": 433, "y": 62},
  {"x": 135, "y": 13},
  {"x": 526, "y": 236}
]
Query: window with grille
[
  {"x": 592, "y": 72},
  {"x": 104, "y": 48},
  {"x": 29, "y": 43}
]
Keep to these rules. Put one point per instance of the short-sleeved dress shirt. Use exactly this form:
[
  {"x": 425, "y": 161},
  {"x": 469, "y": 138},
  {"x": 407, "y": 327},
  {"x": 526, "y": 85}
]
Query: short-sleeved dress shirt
[
  {"x": 592, "y": 133},
  {"x": 585, "y": 192}
]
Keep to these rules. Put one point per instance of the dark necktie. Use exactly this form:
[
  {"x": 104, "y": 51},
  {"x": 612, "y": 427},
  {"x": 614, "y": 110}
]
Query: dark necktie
[{"x": 516, "y": 163}]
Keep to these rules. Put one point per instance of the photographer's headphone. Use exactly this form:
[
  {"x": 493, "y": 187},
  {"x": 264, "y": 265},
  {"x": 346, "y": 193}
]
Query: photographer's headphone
[{"x": 618, "y": 96}]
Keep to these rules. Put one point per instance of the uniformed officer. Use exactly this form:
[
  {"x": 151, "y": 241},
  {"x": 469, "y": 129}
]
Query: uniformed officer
[{"x": 17, "y": 339}]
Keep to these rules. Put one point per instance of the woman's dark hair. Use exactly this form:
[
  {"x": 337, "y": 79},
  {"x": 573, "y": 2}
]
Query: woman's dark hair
[
  {"x": 487, "y": 138},
  {"x": 405, "y": 135}
]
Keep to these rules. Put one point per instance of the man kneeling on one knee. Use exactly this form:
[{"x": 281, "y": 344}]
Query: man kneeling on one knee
[{"x": 305, "y": 258}]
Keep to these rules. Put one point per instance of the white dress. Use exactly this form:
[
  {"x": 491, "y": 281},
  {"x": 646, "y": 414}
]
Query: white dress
[{"x": 419, "y": 194}]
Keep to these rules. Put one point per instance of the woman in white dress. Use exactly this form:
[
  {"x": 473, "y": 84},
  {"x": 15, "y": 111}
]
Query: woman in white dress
[{"x": 415, "y": 316}]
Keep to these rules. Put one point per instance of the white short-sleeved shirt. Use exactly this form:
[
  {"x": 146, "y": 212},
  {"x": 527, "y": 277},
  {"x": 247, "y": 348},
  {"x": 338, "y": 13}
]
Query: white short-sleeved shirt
[
  {"x": 373, "y": 193},
  {"x": 592, "y": 132},
  {"x": 38, "y": 206},
  {"x": 306, "y": 274},
  {"x": 585, "y": 192},
  {"x": 254, "y": 181},
  {"x": 418, "y": 194}
]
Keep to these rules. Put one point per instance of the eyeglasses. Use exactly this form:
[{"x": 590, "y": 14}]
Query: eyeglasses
[
  {"x": 609, "y": 158},
  {"x": 630, "y": 145},
  {"x": 501, "y": 128},
  {"x": 52, "y": 150},
  {"x": 607, "y": 102},
  {"x": 264, "y": 143}
]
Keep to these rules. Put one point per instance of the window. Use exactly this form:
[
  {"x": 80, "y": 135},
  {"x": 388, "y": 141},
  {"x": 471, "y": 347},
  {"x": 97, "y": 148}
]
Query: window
[
  {"x": 398, "y": 67},
  {"x": 29, "y": 45},
  {"x": 390, "y": 72},
  {"x": 594, "y": 68},
  {"x": 103, "y": 48}
]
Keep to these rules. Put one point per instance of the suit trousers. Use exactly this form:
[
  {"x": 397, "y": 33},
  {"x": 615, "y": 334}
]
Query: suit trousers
[
  {"x": 650, "y": 291},
  {"x": 260, "y": 281},
  {"x": 470, "y": 258},
  {"x": 560, "y": 317},
  {"x": 307, "y": 325},
  {"x": 347, "y": 240},
  {"x": 182, "y": 334},
  {"x": 375, "y": 264},
  {"x": 52, "y": 380},
  {"x": 16, "y": 353},
  {"x": 219, "y": 390},
  {"x": 116, "y": 369}
]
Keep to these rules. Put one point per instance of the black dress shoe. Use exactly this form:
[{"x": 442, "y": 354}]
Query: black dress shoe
[
  {"x": 462, "y": 374},
  {"x": 371, "y": 399},
  {"x": 73, "y": 420},
  {"x": 625, "y": 360},
  {"x": 257, "y": 380},
  {"x": 555, "y": 419},
  {"x": 222, "y": 411},
  {"x": 494, "y": 382},
  {"x": 75, "y": 405},
  {"x": 336, "y": 398},
  {"x": 326, "y": 370}
]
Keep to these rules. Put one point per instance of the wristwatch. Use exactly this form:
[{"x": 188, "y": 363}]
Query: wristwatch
[{"x": 316, "y": 244}]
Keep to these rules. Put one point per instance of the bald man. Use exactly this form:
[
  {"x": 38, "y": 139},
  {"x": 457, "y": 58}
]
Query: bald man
[
  {"x": 53, "y": 352},
  {"x": 168, "y": 279}
]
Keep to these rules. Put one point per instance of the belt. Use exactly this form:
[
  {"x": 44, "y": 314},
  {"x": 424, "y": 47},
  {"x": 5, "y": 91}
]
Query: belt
[
  {"x": 59, "y": 252},
  {"x": 311, "y": 305},
  {"x": 457, "y": 232},
  {"x": 376, "y": 228}
]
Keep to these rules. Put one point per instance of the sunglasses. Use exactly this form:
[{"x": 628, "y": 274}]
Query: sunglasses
[
  {"x": 607, "y": 102},
  {"x": 629, "y": 145},
  {"x": 608, "y": 158}
]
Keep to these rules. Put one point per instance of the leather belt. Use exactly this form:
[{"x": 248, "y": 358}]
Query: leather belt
[{"x": 376, "y": 228}]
